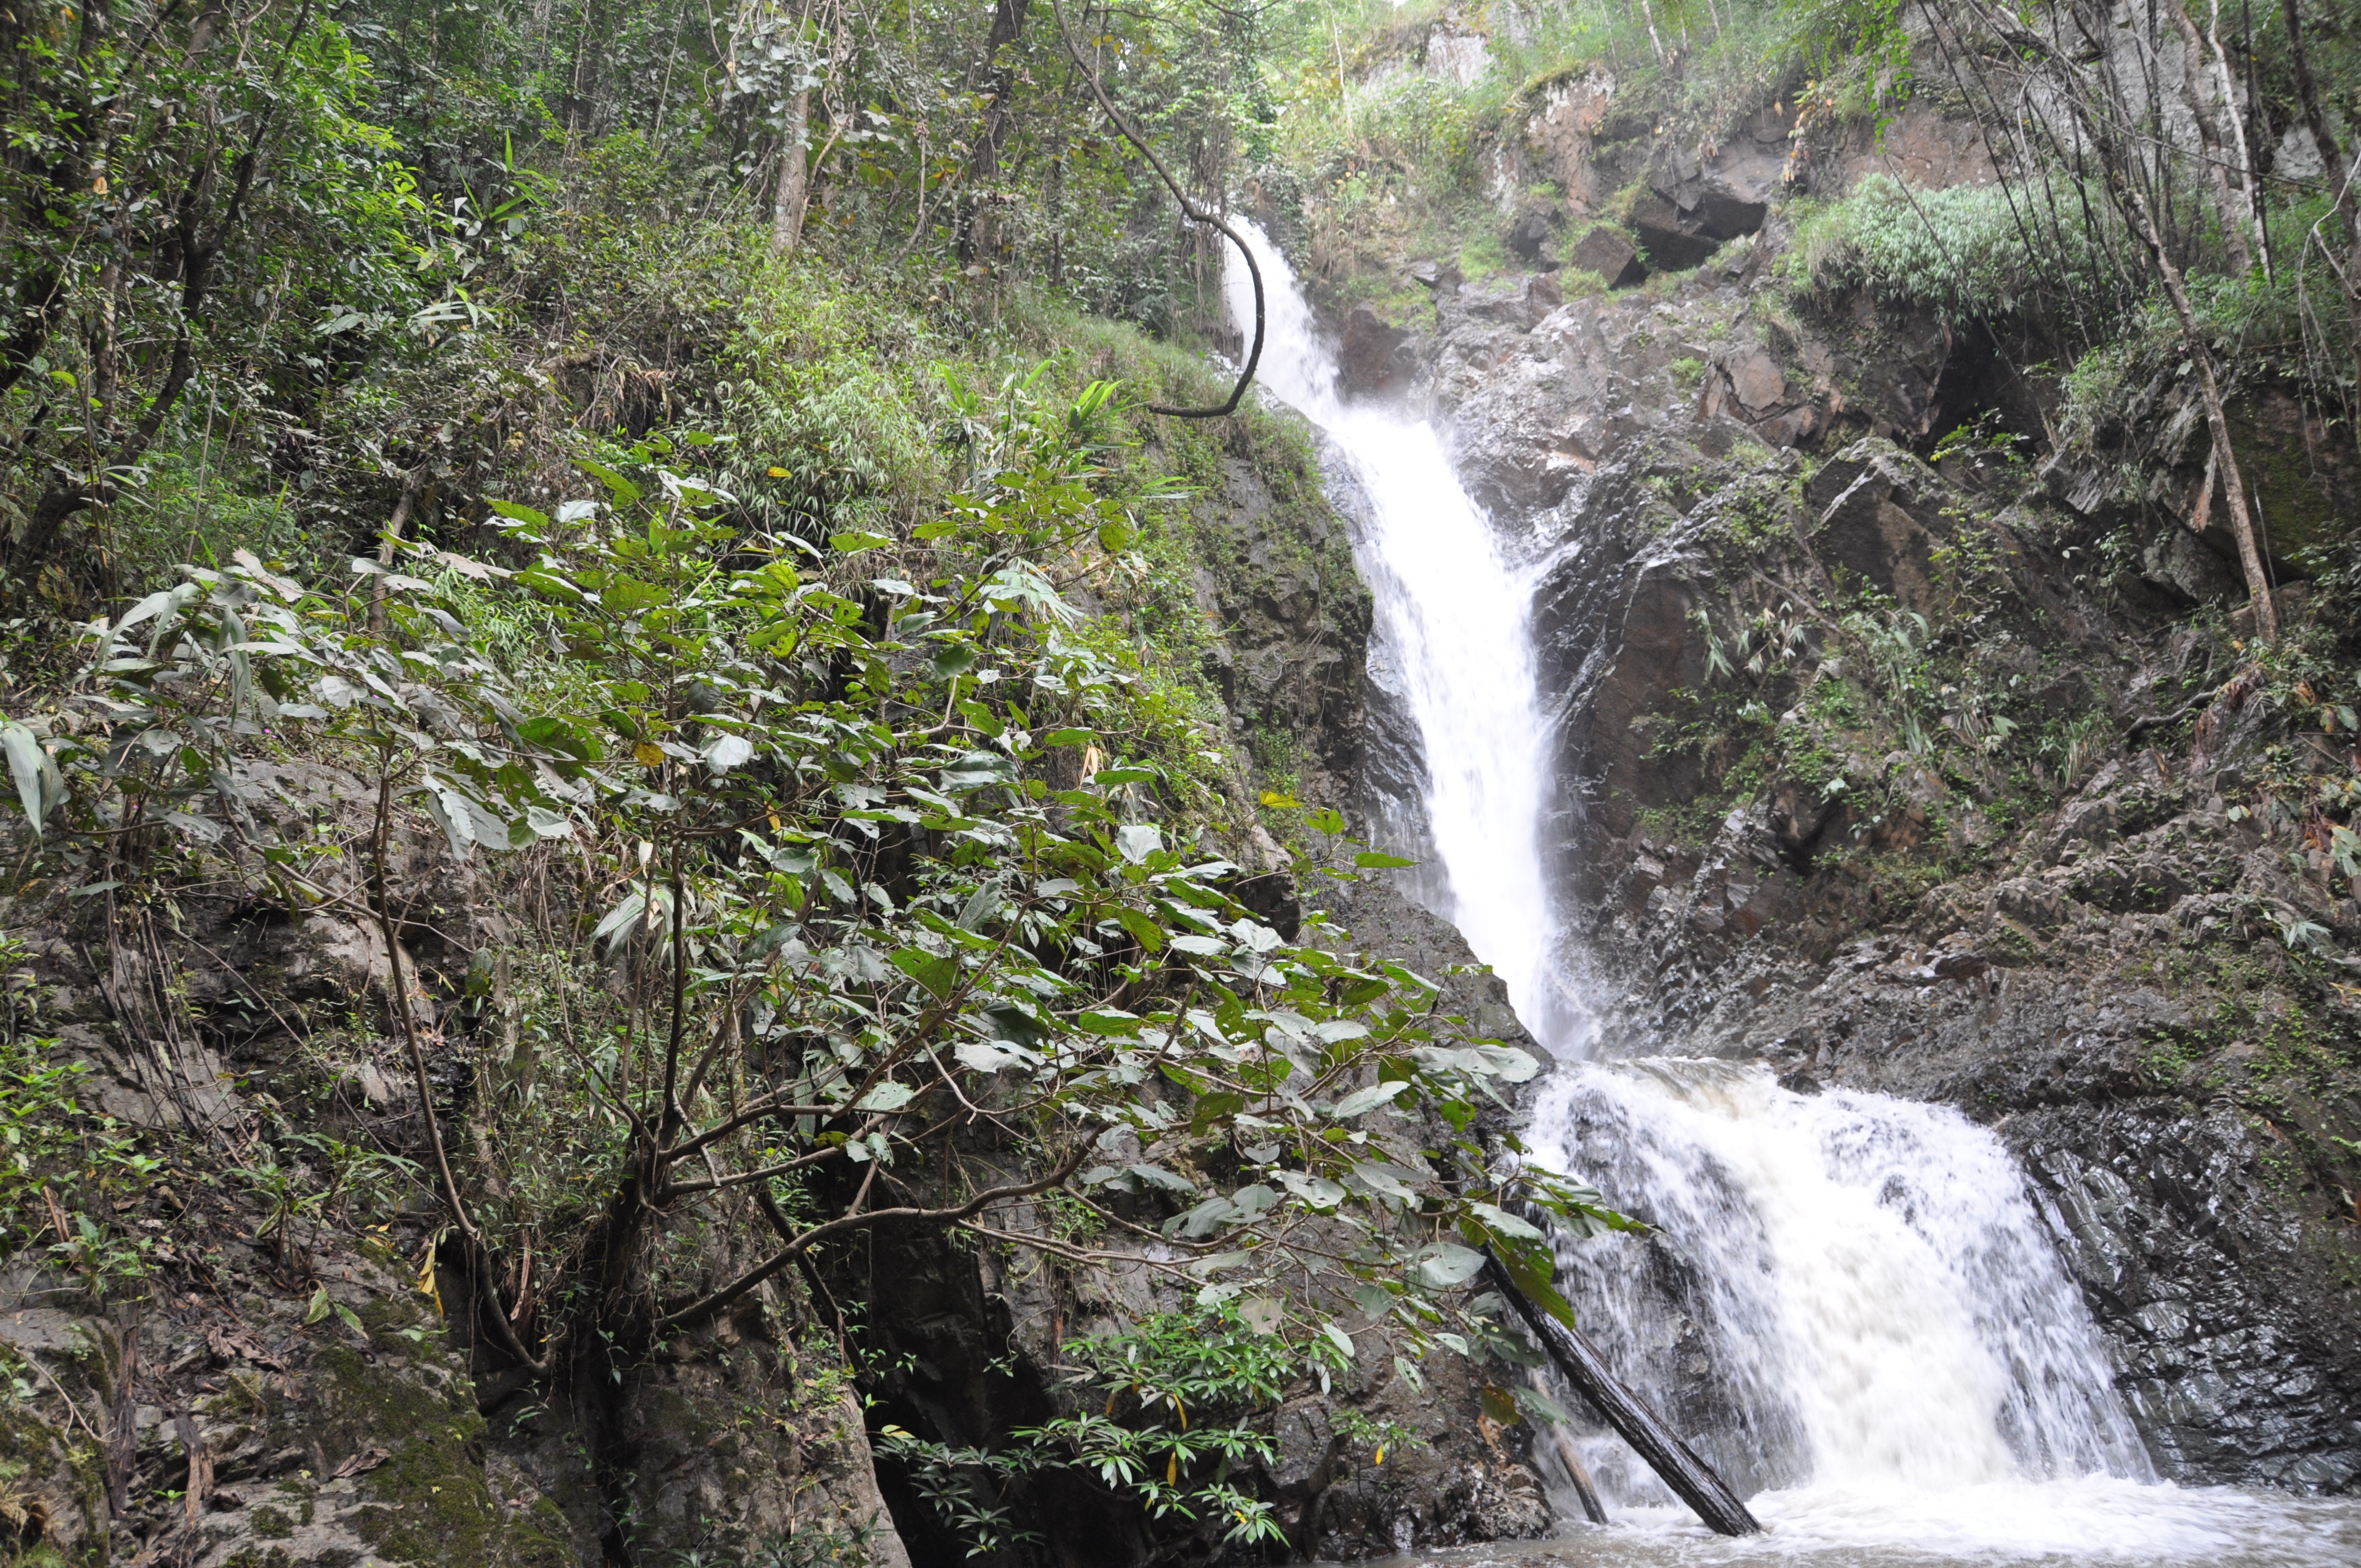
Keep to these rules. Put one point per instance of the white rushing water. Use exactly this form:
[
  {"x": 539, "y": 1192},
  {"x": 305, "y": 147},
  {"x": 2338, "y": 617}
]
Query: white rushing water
[
  {"x": 1851, "y": 1304},
  {"x": 1453, "y": 620}
]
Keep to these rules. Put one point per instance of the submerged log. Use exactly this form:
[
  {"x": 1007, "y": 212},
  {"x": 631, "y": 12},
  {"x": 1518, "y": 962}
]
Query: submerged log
[
  {"x": 1592, "y": 1508},
  {"x": 1691, "y": 1478}
]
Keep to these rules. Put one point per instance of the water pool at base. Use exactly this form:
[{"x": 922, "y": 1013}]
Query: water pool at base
[{"x": 2049, "y": 1524}]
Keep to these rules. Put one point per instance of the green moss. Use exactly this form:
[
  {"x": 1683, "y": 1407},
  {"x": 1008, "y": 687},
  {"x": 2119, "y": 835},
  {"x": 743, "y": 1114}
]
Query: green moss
[
  {"x": 32, "y": 1451},
  {"x": 1483, "y": 255},
  {"x": 428, "y": 1503},
  {"x": 269, "y": 1523}
]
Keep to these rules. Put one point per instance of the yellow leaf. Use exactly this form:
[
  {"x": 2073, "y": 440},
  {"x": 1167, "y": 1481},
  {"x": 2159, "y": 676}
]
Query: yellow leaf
[
  {"x": 1381, "y": 1456},
  {"x": 98, "y": 186},
  {"x": 1172, "y": 1468},
  {"x": 778, "y": 473},
  {"x": 648, "y": 755}
]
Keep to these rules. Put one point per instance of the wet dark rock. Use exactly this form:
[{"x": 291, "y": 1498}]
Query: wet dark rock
[
  {"x": 1693, "y": 207},
  {"x": 1370, "y": 362},
  {"x": 1535, "y": 227}
]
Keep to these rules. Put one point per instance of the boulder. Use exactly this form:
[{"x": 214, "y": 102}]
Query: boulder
[
  {"x": 1370, "y": 362},
  {"x": 1692, "y": 208},
  {"x": 1610, "y": 254},
  {"x": 1529, "y": 236}
]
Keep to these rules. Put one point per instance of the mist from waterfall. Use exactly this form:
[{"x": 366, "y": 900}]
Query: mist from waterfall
[{"x": 1851, "y": 1304}]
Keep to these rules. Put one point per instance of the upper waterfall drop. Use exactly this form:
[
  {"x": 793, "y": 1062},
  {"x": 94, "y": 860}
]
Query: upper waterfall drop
[{"x": 1449, "y": 606}]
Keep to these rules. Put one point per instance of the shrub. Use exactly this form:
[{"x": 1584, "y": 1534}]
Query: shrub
[{"x": 1969, "y": 253}]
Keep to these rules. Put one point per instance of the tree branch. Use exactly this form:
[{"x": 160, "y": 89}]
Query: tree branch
[
  {"x": 705, "y": 1307},
  {"x": 1195, "y": 210}
]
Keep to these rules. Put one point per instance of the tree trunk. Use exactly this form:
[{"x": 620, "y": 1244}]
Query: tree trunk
[
  {"x": 2234, "y": 487},
  {"x": 1577, "y": 1473},
  {"x": 794, "y": 177},
  {"x": 2332, "y": 159},
  {"x": 1691, "y": 1478},
  {"x": 984, "y": 160},
  {"x": 2249, "y": 186},
  {"x": 2209, "y": 142}
]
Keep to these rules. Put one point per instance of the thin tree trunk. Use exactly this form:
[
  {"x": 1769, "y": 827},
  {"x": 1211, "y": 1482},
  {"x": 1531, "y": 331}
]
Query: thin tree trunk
[
  {"x": 411, "y": 483},
  {"x": 1577, "y": 1473},
  {"x": 2236, "y": 117},
  {"x": 794, "y": 177},
  {"x": 2209, "y": 142},
  {"x": 2332, "y": 158},
  {"x": 2234, "y": 487},
  {"x": 976, "y": 236}
]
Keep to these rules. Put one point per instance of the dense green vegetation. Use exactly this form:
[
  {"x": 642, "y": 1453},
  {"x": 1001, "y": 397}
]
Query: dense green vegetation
[
  {"x": 691, "y": 470},
  {"x": 688, "y": 477}
]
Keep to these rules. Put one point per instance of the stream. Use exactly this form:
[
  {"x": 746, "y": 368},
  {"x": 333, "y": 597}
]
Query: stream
[{"x": 1853, "y": 1306}]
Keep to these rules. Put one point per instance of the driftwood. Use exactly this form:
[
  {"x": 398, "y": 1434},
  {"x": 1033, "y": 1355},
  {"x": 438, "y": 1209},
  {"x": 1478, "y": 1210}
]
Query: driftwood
[{"x": 1691, "y": 1478}]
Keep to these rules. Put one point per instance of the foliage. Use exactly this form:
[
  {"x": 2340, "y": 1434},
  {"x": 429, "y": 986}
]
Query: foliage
[
  {"x": 1178, "y": 1469},
  {"x": 879, "y": 841},
  {"x": 63, "y": 1166},
  {"x": 1969, "y": 253}
]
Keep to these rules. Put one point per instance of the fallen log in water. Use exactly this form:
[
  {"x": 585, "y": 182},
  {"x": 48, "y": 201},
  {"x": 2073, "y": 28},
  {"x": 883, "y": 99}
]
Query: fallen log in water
[
  {"x": 1691, "y": 1478},
  {"x": 1592, "y": 1508}
]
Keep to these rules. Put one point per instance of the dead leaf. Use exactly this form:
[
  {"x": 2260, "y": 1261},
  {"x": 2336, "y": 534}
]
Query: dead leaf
[
  {"x": 236, "y": 1345},
  {"x": 361, "y": 1464}
]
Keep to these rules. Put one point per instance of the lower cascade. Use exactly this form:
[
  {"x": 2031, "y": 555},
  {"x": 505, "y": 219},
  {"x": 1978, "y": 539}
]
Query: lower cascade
[{"x": 1851, "y": 1305}]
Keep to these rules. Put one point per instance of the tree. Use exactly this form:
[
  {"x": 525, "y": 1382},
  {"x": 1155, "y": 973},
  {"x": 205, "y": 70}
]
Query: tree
[
  {"x": 896, "y": 938},
  {"x": 2098, "y": 121},
  {"x": 152, "y": 148}
]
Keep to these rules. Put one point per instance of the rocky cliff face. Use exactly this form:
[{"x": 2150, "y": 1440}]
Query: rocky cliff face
[
  {"x": 1889, "y": 776},
  {"x": 266, "y": 1383}
]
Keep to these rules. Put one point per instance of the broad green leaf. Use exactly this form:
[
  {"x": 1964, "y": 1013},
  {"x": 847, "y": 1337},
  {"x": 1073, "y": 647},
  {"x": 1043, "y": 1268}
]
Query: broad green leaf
[
  {"x": 727, "y": 752},
  {"x": 887, "y": 1096},
  {"x": 993, "y": 1055},
  {"x": 1447, "y": 1264},
  {"x": 1362, "y": 1100},
  {"x": 1502, "y": 1222},
  {"x": 976, "y": 769},
  {"x": 516, "y": 513},
  {"x": 40, "y": 786},
  {"x": 624, "y": 491},
  {"x": 548, "y": 824},
  {"x": 1317, "y": 1191},
  {"x": 1156, "y": 1175},
  {"x": 937, "y": 974}
]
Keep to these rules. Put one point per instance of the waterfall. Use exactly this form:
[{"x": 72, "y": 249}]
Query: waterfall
[
  {"x": 1453, "y": 621},
  {"x": 1851, "y": 1304}
]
